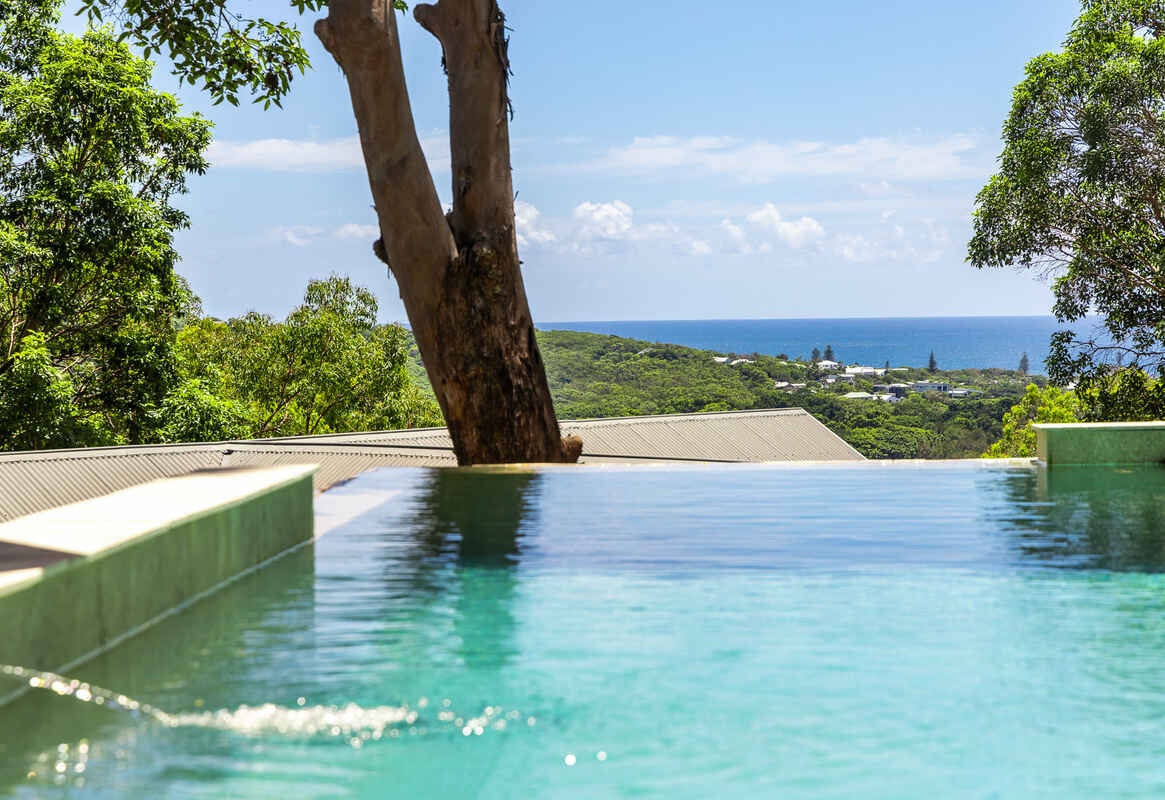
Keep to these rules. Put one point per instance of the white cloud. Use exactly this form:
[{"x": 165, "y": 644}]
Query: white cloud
[
  {"x": 604, "y": 221},
  {"x": 353, "y": 230},
  {"x": 881, "y": 188},
  {"x": 308, "y": 155},
  {"x": 611, "y": 227},
  {"x": 734, "y": 231},
  {"x": 795, "y": 233},
  {"x": 923, "y": 243},
  {"x": 295, "y": 235},
  {"x": 737, "y": 239},
  {"x": 857, "y": 248},
  {"x": 287, "y": 155},
  {"x": 879, "y": 158},
  {"x": 529, "y": 230}
]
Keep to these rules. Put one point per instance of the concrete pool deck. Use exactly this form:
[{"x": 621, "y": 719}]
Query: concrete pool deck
[{"x": 77, "y": 579}]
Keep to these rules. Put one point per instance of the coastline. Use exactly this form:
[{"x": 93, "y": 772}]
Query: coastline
[{"x": 958, "y": 342}]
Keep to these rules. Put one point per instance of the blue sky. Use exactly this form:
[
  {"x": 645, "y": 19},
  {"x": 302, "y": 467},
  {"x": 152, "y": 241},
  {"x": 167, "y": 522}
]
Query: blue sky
[{"x": 674, "y": 160}]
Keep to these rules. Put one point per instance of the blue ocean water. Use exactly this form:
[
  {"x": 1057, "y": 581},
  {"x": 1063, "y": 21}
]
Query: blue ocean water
[{"x": 957, "y": 342}]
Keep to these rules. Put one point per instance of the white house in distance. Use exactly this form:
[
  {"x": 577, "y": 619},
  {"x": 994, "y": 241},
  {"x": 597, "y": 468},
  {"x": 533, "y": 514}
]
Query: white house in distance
[
  {"x": 882, "y": 397},
  {"x": 828, "y": 366},
  {"x": 860, "y": 370}
]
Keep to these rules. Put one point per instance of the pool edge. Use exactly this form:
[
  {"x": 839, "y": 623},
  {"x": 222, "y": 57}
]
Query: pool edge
[{"x": 72, "y": 611}]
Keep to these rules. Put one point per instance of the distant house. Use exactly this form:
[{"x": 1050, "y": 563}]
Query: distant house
[
  {"x": 858, "y": 396},
  {"x": 888, "y": 398},
  {"x": 780, "y": 384},
  {"x": 741, "y": 361},
  {"x": 931, "y": 386},
  {"x": 860, "y": 370},
  {"x": 845, "y": 378},
  {"x": 963, "y": 392},
  {"x": 797, "y": 385},
  {"x": 899, "y": 389},
  {"x": 720, "y": 359},
  {"x": 828, "y": 365}
]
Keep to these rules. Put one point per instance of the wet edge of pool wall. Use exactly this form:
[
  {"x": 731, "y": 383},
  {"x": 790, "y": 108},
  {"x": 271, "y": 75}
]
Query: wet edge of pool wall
[
  {"x": 1102, "y": 443},
  {"x": 127, "y": 559}
]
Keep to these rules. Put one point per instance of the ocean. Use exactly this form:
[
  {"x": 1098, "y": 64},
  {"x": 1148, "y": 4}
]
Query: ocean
[{"x": 957, "y": 342}]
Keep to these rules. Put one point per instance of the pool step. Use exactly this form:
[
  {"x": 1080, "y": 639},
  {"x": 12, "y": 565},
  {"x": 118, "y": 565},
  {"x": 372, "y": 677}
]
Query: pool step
[{"x": 77, "y": 579}]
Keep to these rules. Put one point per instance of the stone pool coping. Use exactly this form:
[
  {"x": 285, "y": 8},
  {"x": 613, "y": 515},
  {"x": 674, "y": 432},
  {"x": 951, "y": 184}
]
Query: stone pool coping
[{"x": 96, "y": 572}]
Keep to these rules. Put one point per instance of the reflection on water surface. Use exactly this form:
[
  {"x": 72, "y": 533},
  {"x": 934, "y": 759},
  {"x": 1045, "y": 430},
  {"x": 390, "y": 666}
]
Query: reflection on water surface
[{"x": 944, "y": 631}]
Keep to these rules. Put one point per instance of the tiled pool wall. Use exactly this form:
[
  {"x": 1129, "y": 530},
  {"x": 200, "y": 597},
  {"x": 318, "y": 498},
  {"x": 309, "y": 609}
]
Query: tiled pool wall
[
  {"x": 1107, "y": 443},
  {"x": 162, "y": 545}
]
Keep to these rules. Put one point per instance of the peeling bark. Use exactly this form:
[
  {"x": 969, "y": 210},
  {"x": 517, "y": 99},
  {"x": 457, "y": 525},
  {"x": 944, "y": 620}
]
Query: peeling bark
[{"x": 459, "y": 276}]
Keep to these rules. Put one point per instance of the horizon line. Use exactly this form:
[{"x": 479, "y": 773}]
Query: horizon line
[{"x": 807, "y": 319}]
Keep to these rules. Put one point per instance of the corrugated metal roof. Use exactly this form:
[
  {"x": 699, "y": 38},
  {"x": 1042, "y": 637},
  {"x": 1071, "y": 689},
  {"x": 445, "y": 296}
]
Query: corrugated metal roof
[
  {"x": 31, "y": 482},
  {"x": 35, "y": 481},
  {"x": 787, "y": 434}
]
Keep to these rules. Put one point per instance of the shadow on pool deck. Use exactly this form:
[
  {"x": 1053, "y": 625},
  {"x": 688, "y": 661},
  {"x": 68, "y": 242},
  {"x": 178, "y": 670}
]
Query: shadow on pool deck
[{"x": 19, "y": 556}]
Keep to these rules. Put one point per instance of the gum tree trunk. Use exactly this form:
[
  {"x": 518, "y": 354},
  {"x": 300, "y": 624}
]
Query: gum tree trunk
[{"x": 459, "y": 275}]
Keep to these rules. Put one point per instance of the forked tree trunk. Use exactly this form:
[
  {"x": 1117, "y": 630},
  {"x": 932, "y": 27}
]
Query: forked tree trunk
[{"x": 459, "y": 276}]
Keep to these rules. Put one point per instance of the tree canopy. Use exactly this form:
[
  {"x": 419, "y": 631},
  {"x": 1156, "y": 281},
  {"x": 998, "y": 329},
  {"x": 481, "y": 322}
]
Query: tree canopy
[
  {"x": 1079, "y": 191},
  {"x": 216, "y": 43},
  {"x": 328, "y": 368},
  {"x": 1046, "y": 405},
  {"x": 91, "y": 158}
]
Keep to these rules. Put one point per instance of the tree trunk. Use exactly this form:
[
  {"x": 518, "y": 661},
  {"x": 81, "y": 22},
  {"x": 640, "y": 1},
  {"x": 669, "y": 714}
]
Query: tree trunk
[{"x": 459, "y": 276}]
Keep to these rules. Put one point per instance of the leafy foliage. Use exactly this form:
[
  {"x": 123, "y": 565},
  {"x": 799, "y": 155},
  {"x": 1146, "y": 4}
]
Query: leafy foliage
[
  {"x": 1079, "y": 189},
  {"x": 213, "y": 43},
  {"x": 327, "y": 368},
  {"x": 37, "y": 407},
  {"x": 192, "y": 413},
  {"x": 1126, "y": 396},
  {"x": 90, "y": 158},
  {"x": 1047, "y": 405}
]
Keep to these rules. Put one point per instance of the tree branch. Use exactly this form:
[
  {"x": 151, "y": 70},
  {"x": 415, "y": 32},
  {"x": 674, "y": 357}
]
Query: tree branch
[
  {"x": 472, "y": 34},
  {"x": 362, "y": 36}
]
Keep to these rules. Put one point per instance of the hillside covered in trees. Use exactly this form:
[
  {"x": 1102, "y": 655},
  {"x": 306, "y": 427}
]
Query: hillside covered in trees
[{"x": 595, "y": 375}]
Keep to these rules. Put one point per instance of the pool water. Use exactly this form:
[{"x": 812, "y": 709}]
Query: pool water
[{"x": 865, "y": 631}]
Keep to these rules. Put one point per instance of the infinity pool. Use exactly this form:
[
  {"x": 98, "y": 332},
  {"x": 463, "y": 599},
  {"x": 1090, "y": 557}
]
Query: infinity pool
[{"x": 934, "y": 631}]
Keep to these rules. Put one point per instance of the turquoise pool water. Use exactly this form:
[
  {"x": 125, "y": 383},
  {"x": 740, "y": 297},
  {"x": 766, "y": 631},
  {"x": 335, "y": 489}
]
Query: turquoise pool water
[{"x": 942, "y": 631}]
